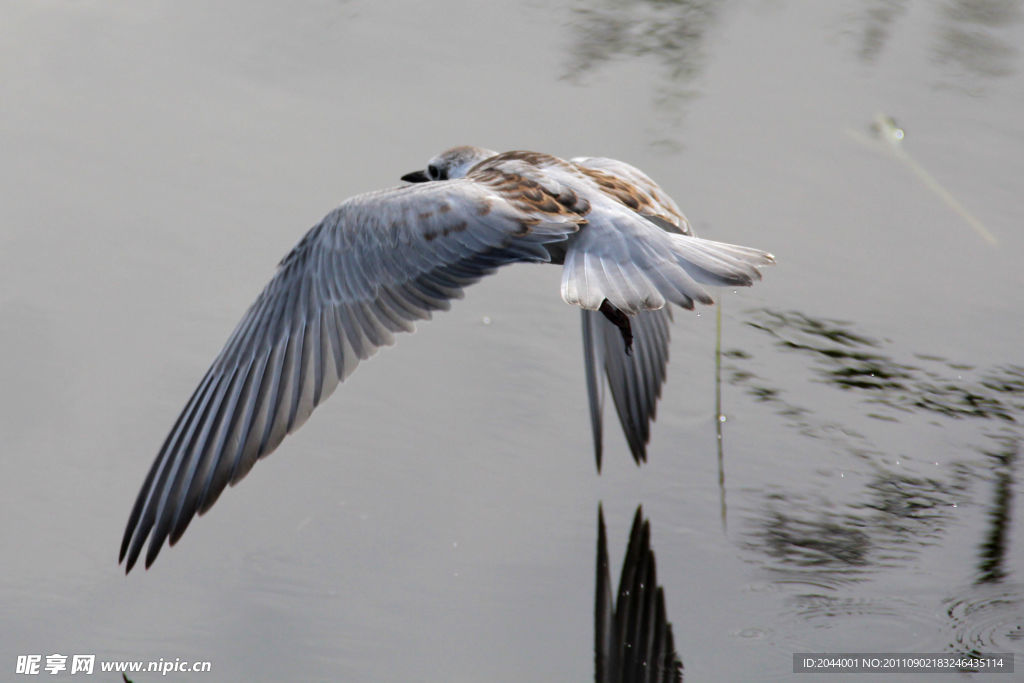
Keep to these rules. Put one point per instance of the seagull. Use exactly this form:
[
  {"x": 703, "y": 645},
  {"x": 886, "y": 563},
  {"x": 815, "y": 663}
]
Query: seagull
[{"x": 382, "y": 260}]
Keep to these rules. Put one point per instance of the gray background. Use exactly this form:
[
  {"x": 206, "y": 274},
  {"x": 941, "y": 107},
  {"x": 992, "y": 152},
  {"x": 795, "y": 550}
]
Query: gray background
[{"x": 435, "y": 520}]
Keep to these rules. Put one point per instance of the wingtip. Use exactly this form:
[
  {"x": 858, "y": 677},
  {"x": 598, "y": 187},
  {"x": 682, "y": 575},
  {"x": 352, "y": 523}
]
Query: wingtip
[
  {"x": 151, "y": 553},
  {"x": 638, "y": 516},
  {"x": 125, "y": 557}
]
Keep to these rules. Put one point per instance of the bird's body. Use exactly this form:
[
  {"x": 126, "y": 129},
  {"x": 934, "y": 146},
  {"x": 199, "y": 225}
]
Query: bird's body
[{"x": 382, "y": 260}]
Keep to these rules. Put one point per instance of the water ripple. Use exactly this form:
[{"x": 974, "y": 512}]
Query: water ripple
[{"x": 987, "y": 619}]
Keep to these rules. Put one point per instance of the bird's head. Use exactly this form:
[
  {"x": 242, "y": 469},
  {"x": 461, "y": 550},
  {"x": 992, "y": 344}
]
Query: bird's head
[{"x": 450, "y": 164}]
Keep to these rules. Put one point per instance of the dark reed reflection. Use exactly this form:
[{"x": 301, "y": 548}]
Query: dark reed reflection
[
  {"x": 969, "y": 42},
  {"x": 633, "y": 640},
  {"x": 899, "y": 509},
  {"x": 671, "y": 33},
  {"x": 890, "y": 511},
  {"x": 992, "y": 562},
  {"x": 890, "y": 388},
  {"x": 989, "y": 615},
  {"x": 968, "y": 37},
  {"x": 808, "y": 538},
  {"x": 875, "y": 24}
]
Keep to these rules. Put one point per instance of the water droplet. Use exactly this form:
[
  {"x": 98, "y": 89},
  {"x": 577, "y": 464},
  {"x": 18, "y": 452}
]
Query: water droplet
[
  {"x": 486, "y": 320},
  {"x": 722, "y": 418}
]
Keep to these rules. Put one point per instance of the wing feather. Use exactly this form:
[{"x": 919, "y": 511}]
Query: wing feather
[
  {"x": 635, "y": 379},
  {"x": 640, "y": 261},
  {"x": 372, "y": 267}
]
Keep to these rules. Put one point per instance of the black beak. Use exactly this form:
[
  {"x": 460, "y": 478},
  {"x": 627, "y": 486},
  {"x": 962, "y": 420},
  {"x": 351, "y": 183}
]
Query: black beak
[{"x": 416, "y": 177}]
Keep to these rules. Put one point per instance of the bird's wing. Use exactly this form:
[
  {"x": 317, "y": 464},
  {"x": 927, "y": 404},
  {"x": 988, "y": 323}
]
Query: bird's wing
[
  {"x": 638, "y": 265},
  {"x": 635, "y": 378},
  {"x": 633, "y": 188},
  {"x": 370, "y": 268}
]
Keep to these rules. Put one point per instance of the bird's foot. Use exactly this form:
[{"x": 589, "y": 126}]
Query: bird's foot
[{"x": 621, "y": 321}]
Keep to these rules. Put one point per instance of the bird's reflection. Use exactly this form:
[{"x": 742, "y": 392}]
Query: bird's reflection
[{"x": 633, "y": 640}]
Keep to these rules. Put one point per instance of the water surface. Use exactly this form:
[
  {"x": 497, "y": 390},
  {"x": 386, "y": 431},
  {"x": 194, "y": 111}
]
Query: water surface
[{"x": 436, "y": 519}]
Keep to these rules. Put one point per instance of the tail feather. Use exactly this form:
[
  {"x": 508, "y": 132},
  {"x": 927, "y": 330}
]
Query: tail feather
[
  {"x": 641, "y": 268},
  {"x": 718, "y": 263}
]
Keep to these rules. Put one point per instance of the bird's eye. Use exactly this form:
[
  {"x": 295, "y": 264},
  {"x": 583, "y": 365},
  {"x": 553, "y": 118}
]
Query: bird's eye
[{"x": 432, "y": 172}]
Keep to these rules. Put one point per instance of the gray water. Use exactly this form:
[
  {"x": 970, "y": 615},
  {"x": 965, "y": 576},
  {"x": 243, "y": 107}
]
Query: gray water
[{"x": 436, "y": 520}]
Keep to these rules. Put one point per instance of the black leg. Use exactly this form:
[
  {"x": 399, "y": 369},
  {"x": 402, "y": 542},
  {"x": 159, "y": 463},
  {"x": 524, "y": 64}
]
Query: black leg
[{"x": 620, "y": 320}]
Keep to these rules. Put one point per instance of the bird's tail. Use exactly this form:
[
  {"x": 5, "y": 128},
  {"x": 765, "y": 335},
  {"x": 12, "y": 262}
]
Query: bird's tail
[{"x": 636, "y": 266}]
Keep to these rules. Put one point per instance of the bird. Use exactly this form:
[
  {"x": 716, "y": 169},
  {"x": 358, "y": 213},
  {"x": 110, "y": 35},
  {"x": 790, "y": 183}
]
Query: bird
[{"x": 385, "y": 259}]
